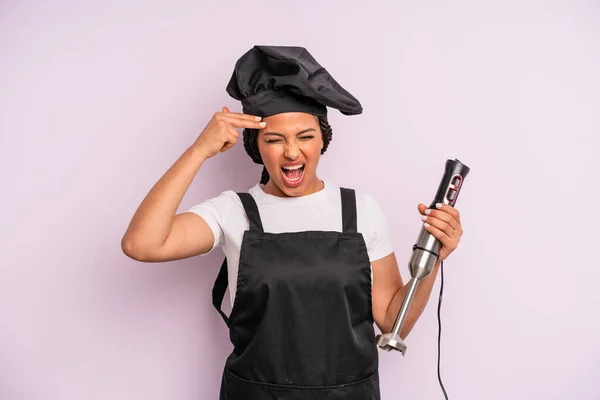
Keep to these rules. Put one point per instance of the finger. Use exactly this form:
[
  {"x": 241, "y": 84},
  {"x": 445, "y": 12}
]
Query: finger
[
  {"x": 244, "y": 123},
  {"x": 442, "y": 216},
  {"x": 232, "y": 139},
  {"x": 445, "y": 216},
  {"x": 226, "y": 147},
  {"x": 233, "y": 132},
  {"x": 439, "y": 224},
  {"x": 438, "y": 234},
  {"x": 229, "y": 144},
  {"x": 239, "y": 115},
  {"x": 449, "y": 209}
]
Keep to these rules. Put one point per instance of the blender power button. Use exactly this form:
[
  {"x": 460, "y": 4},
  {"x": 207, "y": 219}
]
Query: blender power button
[{"x": 451, "y": 195}]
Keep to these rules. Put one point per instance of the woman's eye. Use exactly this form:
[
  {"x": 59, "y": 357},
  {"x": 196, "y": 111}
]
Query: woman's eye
[{"x": 280, "y": 140}]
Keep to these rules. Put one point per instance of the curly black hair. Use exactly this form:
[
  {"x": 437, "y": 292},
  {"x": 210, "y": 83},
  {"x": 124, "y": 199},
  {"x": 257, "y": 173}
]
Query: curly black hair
[{"x": 251, "y": 144}]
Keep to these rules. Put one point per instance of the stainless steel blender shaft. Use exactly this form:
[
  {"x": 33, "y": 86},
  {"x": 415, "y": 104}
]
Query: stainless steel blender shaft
[{"x": 421, "y": 263}]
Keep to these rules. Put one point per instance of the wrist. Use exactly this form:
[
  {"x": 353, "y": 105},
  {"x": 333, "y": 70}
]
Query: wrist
[{"x": 198, "y": 152}]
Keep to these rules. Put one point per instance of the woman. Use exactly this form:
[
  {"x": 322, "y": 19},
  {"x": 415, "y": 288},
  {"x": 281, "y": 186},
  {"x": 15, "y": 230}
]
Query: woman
[{"x": 309, "y": 265}]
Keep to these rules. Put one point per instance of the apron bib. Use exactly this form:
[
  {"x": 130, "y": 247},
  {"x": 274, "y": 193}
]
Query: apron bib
[{"x": 301, "y": 322}]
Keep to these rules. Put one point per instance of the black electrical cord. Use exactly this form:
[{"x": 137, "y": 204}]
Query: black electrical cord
[{"x": 440, "y": 329}]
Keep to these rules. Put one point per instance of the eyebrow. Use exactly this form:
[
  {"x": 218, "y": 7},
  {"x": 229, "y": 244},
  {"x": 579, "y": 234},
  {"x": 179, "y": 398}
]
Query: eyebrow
[{"x": 282, "y": 135}]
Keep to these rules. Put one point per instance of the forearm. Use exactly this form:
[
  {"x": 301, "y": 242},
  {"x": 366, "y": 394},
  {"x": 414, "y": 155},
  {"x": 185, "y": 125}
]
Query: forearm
[
  {"x": 418, "y": 304},
  {"x": 152, "y": 221}
]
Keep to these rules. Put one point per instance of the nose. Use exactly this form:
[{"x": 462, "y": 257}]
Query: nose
[{"x": 292, "y": 151}]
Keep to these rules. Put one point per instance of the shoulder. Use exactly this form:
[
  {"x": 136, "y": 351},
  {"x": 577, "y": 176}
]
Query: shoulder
[
  {"x": 221, "y": 205},
  {"x": 219, "y": 202},
  {"x": 365, "y": 201},
  {"x": 370, "y": 214},
  {"x": 368, "y": 206},
  {"x": 372, "y": 223}
]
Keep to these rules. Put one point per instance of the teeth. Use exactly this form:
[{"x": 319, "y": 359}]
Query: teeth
[
  {"x": 293, "y": 179},
  {"x": 294, "y": 167}
]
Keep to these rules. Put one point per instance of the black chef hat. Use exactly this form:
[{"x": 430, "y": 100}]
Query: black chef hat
[{"x": 276, "y": 79}]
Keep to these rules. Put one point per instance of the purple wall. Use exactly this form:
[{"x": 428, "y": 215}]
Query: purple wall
[{"x": 98, "y": 99}]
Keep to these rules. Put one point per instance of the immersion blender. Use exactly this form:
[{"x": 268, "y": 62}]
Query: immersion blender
[{"x": 425, "y": 252}]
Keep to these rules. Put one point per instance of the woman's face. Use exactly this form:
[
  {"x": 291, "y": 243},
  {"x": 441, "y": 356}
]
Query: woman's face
[{"x": 290, "y": 146}]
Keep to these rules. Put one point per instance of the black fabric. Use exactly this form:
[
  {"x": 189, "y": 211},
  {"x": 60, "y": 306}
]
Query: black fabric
[
  {"x": 301, "y": 323},
  {"x": 348, "y": 210},
  {"x": 219, "y": 288},
  {"x": 269, "y": 80},
  {"x": 251, "y": 211}
]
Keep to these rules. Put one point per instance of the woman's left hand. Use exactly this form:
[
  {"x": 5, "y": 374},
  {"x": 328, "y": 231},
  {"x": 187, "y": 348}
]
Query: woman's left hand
[{"x": 444, "y": 224}]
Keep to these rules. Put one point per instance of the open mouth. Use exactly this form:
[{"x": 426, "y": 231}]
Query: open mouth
[{"x": 293, "y": 175}]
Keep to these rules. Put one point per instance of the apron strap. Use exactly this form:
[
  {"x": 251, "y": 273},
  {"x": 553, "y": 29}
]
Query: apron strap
[
  {"x": 348, "y": 210},
  {"x": 251, "y": 211},
  {"x": 218, "y": 292},
  {"x": 222, "y": 281}
]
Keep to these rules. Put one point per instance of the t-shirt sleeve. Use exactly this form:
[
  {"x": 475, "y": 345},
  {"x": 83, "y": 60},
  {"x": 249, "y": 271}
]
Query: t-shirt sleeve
[
  {"x": 379, "y": 243},
  {"x": 214, "y": 211}
]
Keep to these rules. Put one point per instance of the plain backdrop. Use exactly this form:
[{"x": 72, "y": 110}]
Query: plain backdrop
[{"x": 99, "y": 98}]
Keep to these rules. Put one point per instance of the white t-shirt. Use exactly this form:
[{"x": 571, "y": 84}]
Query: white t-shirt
[{"x": 321, "y": 211}]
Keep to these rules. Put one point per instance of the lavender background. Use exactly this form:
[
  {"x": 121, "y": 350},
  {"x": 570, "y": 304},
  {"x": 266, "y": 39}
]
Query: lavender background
[{"x": 99, "y": 98}]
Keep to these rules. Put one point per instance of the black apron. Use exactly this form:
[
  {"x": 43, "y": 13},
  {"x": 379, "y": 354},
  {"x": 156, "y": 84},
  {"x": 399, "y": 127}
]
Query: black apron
[{"x": 301, "y": 322}]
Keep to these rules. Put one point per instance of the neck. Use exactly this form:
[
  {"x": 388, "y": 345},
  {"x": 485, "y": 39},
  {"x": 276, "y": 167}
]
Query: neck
[{"x": 313, "y": 186}]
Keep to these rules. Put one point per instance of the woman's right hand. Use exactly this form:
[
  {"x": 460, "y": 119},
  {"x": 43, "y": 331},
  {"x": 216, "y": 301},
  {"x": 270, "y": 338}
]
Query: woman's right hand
[{"x": 220, "y": 133}]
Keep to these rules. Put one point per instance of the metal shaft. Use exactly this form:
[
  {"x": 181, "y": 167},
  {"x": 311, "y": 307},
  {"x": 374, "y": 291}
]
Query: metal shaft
[
  {"x": 408, "y": 297},
  {"x": 421, "y": 263}
]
